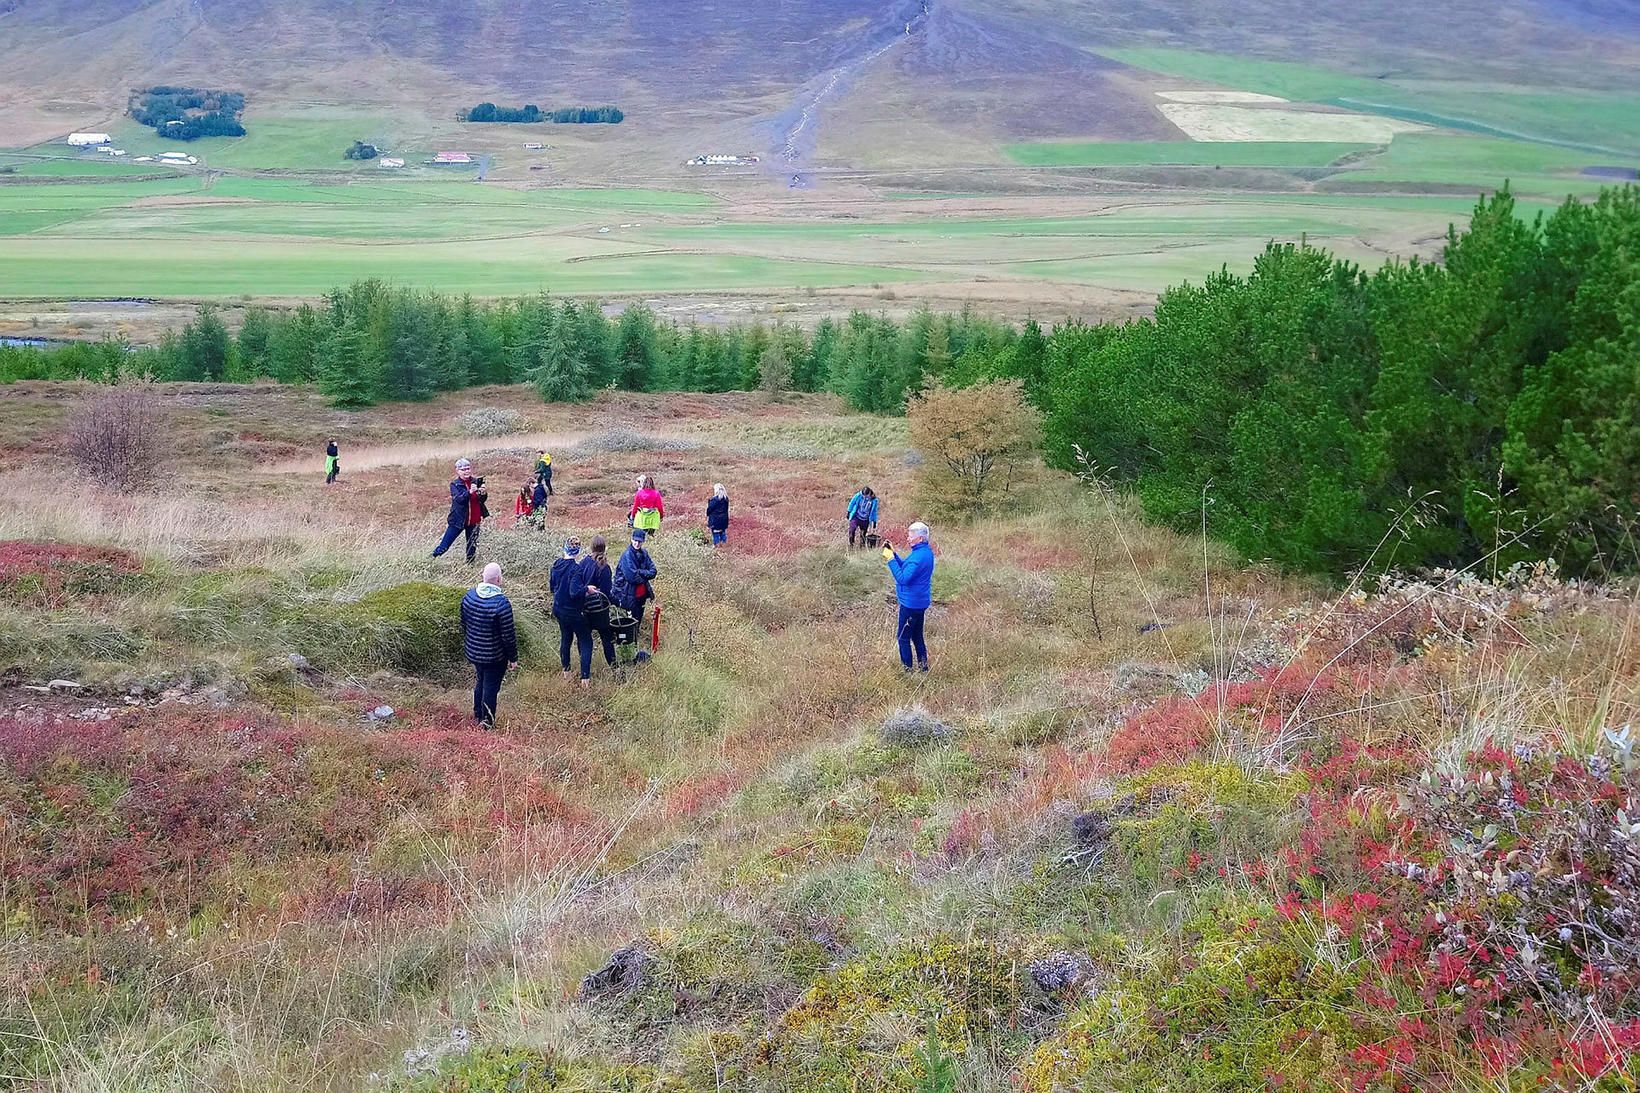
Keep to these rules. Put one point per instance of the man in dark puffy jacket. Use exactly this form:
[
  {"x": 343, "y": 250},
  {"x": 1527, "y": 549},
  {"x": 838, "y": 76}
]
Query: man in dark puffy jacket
[
  {"x": 467, "y": 511},
  {"x": 490, "y": 639}
]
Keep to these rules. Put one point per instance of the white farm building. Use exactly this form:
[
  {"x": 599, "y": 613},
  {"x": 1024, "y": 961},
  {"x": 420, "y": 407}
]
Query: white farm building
[{"x": 89, "y": 140}]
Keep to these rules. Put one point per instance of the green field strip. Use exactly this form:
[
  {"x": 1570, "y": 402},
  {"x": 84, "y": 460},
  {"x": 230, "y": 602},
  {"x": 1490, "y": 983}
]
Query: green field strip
[
  {"x": 1181, "y": 153},
  {"x": 39, "y": 266}
]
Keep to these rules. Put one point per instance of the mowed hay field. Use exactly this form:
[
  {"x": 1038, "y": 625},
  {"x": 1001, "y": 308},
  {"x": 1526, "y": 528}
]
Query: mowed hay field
[{"x": 232, "y": 236}]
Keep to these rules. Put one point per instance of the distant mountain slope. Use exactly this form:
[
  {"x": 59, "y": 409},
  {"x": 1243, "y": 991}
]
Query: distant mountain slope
[
  {"x": 1009, "y": 68},
  {"x": 1582, "y": 42}
]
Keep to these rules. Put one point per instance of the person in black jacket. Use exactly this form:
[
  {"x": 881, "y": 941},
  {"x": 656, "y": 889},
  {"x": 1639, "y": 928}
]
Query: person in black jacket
[
  {"x": 569, "y": 581},
  {"x": 333, "y": 462},
  {"x": 467, "y": 511},
  {"x": 490, "y": 640},
  {"x": 717, "y": 515},
  {"x": 600, "y": 589}
]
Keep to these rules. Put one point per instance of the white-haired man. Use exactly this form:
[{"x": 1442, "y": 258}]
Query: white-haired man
[
  {"x": 914, "y": 589},
  {"x": 467, "y": 511},
  {"x": 489, "y": 637}
]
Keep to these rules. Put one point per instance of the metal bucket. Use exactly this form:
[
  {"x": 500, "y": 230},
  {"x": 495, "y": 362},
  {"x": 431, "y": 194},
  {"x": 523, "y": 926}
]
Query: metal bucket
[{"x": 873, "y": 540}]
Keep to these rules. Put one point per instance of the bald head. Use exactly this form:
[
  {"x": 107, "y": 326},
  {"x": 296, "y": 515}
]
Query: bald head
[{"x": 492, "y": 574}]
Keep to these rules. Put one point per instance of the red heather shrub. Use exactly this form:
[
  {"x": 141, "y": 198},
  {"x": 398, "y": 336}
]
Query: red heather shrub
[
  {"x": 758, "y": 535},
  {"x": 51, "y": 574},
  {"x": 160, "y": 810},
  {"x": 1178, "y": 729},
  {"x": 694, "y": 795},
  {"x": 1497, "y": 907}
]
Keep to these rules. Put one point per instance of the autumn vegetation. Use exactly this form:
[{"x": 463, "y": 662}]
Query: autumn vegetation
[{"x": 1162, "y": 815}]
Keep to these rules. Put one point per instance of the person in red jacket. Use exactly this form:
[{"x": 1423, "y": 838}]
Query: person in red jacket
[
  {"x": 522, "y": 505},
  {"x": 648, "y": 508}
]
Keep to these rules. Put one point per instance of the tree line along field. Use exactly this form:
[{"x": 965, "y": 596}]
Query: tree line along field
[{"x": 1478, "y": 409}]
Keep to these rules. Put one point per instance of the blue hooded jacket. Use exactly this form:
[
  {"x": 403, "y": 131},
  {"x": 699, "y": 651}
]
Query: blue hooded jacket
[
  {"x": 568, "y": 581},
  {"x": 914, "y": 576},
  {"x": 861, "y": 507}
]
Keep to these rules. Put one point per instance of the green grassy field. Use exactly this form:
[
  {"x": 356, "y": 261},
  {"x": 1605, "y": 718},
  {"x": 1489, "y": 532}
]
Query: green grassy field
[
  {"x": 45, "y": 266},
  {"x": 1477, "y": 161},
  {"x": 78, "y": 166},
  {"x": 1180, "y": 153},
  {"x": 205, "y": 234},
  {"x": 1591, "y": 121},
  {"x": 308, "y": 139}
]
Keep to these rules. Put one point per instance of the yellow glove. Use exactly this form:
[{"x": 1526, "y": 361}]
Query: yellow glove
[{"x": 888, "y": 554}]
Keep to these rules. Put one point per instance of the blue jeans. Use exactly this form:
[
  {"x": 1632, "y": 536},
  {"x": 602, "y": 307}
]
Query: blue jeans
[
  {"x": 486, "y": 688},
  {"x": 911, "y": 634},
  {"x": 452, "y": 532},
  {"x": 720, "y": 536},
  {"x": 575, "y": 628}
]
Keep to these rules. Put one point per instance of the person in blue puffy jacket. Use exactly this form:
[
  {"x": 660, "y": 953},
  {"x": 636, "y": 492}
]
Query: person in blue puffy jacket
[{"x": 914, "y": 589}]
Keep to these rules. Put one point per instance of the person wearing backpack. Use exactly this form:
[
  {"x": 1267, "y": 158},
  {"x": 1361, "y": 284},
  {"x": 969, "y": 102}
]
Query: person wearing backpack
[
  {"x": 543, "y": 470},
  {"x": 568, "y": 582},
  {"x": 862, "y": 514},
  {"x": 648, "y": 509}
]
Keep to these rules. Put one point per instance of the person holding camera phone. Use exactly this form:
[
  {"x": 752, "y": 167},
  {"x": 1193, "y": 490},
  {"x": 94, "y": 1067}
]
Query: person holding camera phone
[
  {"x": 914, "y": 589},
  {"x": 467, "y": 511}
]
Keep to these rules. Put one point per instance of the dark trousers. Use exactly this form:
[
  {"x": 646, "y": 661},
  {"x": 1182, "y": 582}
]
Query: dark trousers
[
  {"x": 911, "y": 635},
  {"x": 485, "y": 689},
  {"x": 330, "y": 475},
  {"x": 598, "y": 624},
  {"x": 452, "y": 532},
  {"x": 575, "y": 628},
  {"x": 858, "y": 525}
]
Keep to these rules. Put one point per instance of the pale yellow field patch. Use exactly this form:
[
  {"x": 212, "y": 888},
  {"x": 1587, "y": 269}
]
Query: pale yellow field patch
[
  {"x": 1224, "y": 123},
  {"x": 1211, "y": 97}
]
